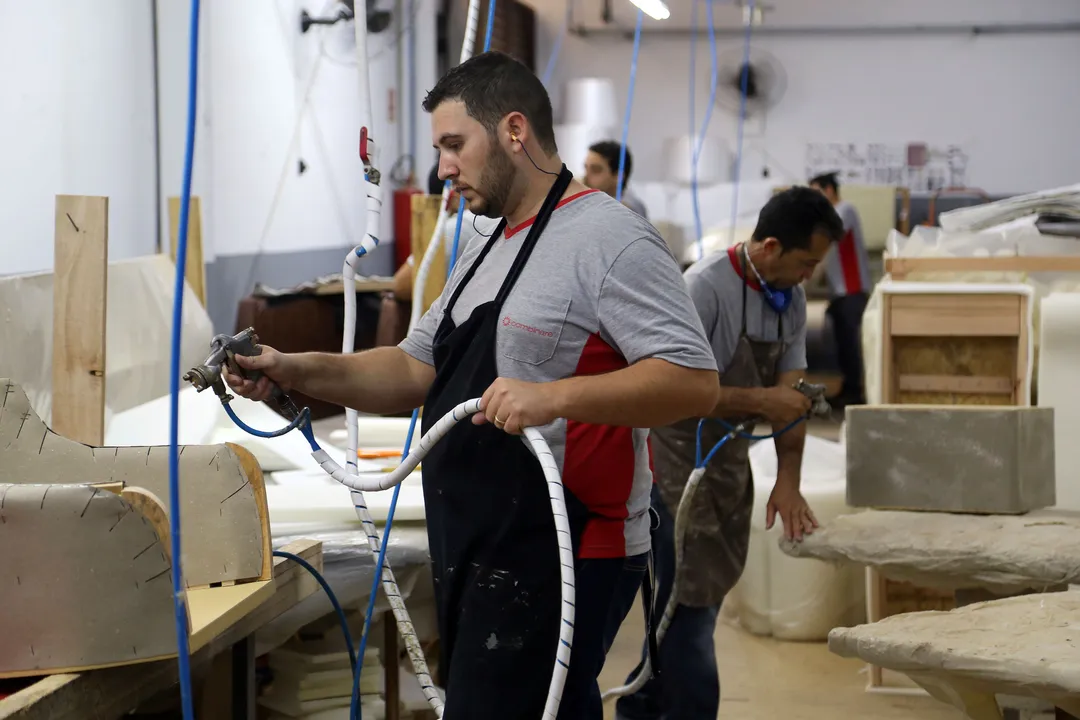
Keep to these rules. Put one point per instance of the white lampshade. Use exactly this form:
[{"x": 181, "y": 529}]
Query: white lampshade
[
  {"x": 713, "y": 161},
  {"x": 591, "y": 101}
]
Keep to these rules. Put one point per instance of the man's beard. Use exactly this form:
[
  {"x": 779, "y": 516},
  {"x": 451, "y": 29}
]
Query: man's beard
[{"x": 496, "y": 184}]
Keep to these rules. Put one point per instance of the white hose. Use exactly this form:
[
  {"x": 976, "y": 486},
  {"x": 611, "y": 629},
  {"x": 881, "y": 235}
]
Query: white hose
[
  {"x": 681, "y": 517},
  {"x": 367, "y": 244},
  {"x": 369, "y": 241},
  {"x": 383, "y": 481},
  {"x": 389, "y": 582}
]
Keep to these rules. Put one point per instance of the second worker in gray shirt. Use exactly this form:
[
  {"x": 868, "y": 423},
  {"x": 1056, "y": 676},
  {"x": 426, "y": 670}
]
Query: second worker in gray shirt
[{"x": 753, "y": 310}]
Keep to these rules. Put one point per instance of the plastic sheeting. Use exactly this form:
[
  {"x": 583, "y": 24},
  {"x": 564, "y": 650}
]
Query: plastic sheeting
[
  {"x": 138, "y": 332},
  {"x": 1062, "y": 200},
  {"x": 203, "y": 422},
  {"x": 788, "y": 598}
]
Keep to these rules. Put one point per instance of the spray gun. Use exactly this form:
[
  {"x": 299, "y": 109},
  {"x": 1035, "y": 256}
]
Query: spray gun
[
  {"x": 223, "y": 350},
  {"x": 819, "y": 405}
]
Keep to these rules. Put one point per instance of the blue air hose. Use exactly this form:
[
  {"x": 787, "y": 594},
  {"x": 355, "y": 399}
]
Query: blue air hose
[
  {"x": 735, "y": 431},
  {"x": 550, "y": 69},
  {"x": 182, "y": 647},
  {"x": 330, "y": 594},
  {"x": 490, "y": 26},
  {"x": 302, "y": 421},
  {"x": 629, "y": 105},
  {"x": 715, "y": 79}
]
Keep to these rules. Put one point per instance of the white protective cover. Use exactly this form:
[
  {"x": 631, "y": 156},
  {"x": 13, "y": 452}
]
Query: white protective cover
[
  {"x": 1060, "y": 351},
  {"x": 786, "y": 597},
  {"x": 138, "y": 333}
]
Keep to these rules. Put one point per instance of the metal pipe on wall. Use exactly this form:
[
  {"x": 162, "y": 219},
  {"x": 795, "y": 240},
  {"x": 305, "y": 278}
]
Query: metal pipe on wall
[{"x": 844, "y": 30}]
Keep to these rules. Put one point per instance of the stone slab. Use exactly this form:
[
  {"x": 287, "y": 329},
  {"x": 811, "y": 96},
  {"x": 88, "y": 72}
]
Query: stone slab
[
  {"x": 1028, "y": 645},
  {"x": 956, "y": 458},
  {"x": 1002, "y": 553}
]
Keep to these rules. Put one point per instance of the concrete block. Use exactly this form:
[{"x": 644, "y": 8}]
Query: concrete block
[{"x": 950, "y": 458}]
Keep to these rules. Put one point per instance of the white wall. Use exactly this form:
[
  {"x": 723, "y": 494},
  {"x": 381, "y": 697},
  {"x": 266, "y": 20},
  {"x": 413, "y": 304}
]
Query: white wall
[
  {"x": 255, "y": 70},
  {"x": 1010, "y": 100},
  {"x": 78, "y": 118}
]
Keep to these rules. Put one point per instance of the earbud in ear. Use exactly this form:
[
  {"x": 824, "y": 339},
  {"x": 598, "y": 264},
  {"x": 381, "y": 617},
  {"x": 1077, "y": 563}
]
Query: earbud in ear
[{"x": 513, "y": 137}]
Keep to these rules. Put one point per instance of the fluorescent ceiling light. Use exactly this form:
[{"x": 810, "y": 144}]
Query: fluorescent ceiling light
[{"x": 656, "y": 9}]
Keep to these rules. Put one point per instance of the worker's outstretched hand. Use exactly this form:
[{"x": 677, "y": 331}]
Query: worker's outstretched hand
[
  {"x": 275, "y": 367},
  {"x": 513, "y": 405},
  {"x": 787, "y": 502}
]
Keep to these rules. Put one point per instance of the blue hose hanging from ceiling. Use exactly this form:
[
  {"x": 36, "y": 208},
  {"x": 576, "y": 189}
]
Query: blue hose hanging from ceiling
[
  {"x": 699, "y": 142},
  {"x": 179, "y": 597},
  {"x": 554, "y": 59},
  {"x": 629, "y": 105}
]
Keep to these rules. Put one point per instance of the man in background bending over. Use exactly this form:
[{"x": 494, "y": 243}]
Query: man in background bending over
[
  {"x": 847, "y": 270},
  {"x": 602, "y": 173},
  {"x": 754, "y": 313}
]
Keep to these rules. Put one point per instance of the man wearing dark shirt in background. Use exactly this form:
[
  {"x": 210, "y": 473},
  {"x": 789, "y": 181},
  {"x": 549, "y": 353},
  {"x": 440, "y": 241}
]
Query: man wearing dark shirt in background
[{"x": 847, "y": 270}]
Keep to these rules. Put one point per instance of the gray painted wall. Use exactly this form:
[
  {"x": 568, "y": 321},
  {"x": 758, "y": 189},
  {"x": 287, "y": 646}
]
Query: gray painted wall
[{"x": 231, "y": 278}]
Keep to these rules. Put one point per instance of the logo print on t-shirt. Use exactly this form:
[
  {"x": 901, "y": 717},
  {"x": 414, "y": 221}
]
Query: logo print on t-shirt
[{"x": 507, "y": 322}]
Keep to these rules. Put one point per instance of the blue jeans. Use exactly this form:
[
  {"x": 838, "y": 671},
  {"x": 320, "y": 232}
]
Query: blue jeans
[
  {"x": 689, "y": 685},
  {"x": 605, "y": 592}
]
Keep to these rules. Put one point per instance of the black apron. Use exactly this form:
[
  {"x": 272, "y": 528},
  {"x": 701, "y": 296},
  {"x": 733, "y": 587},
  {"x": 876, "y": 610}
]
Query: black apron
[
  {"x": 718, "y": 528},
  {"x": 490, "y": 529}
]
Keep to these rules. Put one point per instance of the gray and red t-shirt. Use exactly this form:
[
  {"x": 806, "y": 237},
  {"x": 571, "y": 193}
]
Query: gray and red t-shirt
[
  {"x": 847, "y": 265},
  {"x": 601, "y": 291}
]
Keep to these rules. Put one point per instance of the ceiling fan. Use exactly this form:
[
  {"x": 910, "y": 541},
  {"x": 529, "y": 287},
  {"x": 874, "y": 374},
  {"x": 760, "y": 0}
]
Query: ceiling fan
[{"x": 377, "y": 20}]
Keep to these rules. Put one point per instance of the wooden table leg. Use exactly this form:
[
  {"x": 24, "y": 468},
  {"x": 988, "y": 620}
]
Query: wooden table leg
[{"x": 392, "y": 684}]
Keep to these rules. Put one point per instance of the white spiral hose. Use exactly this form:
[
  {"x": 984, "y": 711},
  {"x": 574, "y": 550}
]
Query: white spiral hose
[
  {"x": 382, "y": 481},
  {"x": 681, "y": 517},
  {"x": 367, "y": 244},
  {"x": 389, "y": 582}
]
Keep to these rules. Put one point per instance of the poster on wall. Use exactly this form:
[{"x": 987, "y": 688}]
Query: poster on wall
[{"x": 919, "y": 167}]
